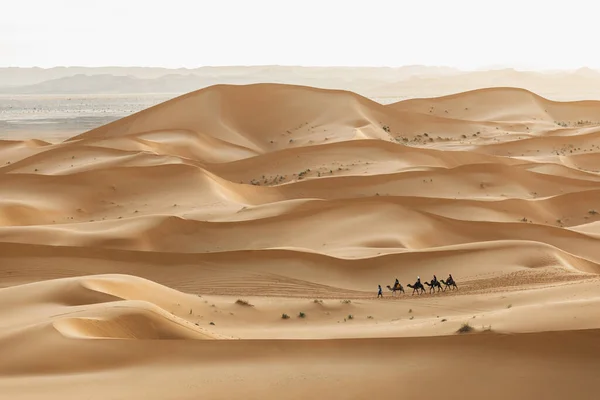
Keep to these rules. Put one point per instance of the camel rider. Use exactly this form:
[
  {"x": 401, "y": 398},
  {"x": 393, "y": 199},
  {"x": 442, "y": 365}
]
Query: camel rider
[
  {"x": 435, "y": 279},
  {"x": 450, "y": 278},
  {"x": 418, "y": 280},
  {"x": 397, "y": 284}
]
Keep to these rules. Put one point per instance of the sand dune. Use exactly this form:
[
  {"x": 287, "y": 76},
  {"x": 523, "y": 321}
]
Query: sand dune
[
  {"x": 503, "y": 104},
  {"x": 174, "y": 241}
]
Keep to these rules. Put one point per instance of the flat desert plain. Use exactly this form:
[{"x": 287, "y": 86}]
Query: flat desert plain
[{"x": 229, "y": 243}]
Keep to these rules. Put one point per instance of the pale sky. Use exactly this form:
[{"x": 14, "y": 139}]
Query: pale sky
[{"x": 525, "y": 34}]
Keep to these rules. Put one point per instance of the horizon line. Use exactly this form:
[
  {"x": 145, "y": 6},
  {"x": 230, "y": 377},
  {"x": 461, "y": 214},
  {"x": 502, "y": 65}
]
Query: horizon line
[{"x": 476, "y": 69}]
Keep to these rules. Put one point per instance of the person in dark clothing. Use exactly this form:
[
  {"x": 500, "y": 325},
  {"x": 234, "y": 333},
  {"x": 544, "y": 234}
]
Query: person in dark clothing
[
  {"x": 379, "y": 293},
  {"x": 397, "y": 284},
  {"x": 435, "y": 279}
]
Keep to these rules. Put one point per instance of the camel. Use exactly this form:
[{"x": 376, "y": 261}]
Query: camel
[
  {"x": 433, "y": 285},
  {"x": 417, "y": 287},
  {"x": 395, "y": 289},
  {"x": 449, "y": 283}
]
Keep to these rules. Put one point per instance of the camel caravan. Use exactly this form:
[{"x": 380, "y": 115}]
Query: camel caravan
[{"x": 420, "y": 288}]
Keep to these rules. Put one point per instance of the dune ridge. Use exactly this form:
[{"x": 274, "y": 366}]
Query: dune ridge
[{"x": 199, "y": 238}]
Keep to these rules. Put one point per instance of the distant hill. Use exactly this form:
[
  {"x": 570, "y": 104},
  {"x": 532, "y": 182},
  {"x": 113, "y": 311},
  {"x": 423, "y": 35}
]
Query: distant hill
[
  {"x": 79, "y": 80},
  {"x": 14, "y": 76},
  {"x": 407, "y": 81},
  {"x": 110, "y": 84}
]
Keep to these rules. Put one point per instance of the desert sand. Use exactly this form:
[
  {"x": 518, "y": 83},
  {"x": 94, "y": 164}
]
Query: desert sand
[{"x": 156, "y": 256}]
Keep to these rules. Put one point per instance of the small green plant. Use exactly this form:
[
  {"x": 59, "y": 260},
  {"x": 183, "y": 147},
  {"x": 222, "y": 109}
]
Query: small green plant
[
  {"x": 465, "y": 328},
  {"x": 285, "y": 316},
  {"x": 243, "y": 303},
  {"x": 350, "y": 316},
  {"x": 317, "y": 301},
  {"x": 301, "y": 315}
]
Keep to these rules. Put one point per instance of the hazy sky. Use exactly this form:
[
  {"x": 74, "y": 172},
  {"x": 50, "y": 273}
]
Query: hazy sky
[{"x": 190, "y": 33}]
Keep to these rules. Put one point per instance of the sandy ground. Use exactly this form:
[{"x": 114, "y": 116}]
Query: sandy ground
[{"x": 229, "y": 244}]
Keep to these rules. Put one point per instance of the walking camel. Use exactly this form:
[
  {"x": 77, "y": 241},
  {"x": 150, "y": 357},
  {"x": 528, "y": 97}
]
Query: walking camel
[
  {"x": 418, "y": 287},
  {"x": 396, "y": 288},
  {"x": 433, "y": 285}
]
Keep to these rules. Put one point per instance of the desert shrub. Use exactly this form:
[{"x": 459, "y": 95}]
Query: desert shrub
[
  {"x": 465, "y": 328},
  {"x": 243, "y": 303}
]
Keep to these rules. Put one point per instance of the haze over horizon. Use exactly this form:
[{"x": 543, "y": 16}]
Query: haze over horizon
[{"x": 465, "y": 34}]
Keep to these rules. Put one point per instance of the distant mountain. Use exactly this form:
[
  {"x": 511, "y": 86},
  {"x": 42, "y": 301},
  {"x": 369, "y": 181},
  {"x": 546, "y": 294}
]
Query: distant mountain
[
  {"x": 75, "y": 80},
  {"x": 15, "y": 76},
  {"x": 406, "y": 81},
  {"x": 110, "y": 84}
]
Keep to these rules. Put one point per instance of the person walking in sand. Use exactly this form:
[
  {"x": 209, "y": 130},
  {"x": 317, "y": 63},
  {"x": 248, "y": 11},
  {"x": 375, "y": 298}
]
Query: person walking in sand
[{"x": 379, "y": 293}]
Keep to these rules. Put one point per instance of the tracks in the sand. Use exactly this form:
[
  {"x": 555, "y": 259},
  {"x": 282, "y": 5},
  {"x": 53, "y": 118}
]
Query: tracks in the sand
[{"x": 295, "y": 288}]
